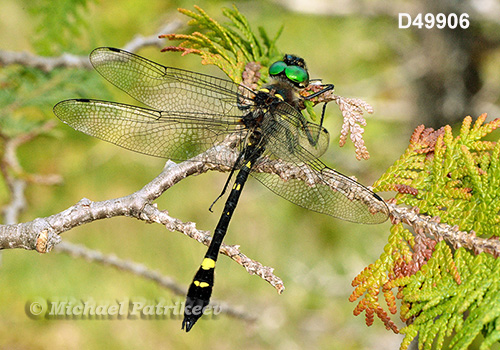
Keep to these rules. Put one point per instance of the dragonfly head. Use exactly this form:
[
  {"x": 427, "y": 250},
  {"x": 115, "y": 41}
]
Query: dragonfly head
[{"x": 291, "y": 69}]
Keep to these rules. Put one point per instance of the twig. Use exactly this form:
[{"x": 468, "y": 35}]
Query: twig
[
  {"x": 79, "y": 251},
  {"x": 432, "y": 226},
  {"x": 42, "y": 234},
  {"x": 67, "y": 60},
  {"x": 17, "y": 182},
  {"x": 17, "y": 202},
  {"x": 140, "y": 41},
  {"x": 45, "y": 64},
  {"x": 10, "y": 158}
]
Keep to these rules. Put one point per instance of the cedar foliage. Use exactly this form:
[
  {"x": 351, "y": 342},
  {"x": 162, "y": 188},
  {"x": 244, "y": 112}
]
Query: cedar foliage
[
  {"x": 446, "y": 294},
  {"x": 229, "y": 46}
]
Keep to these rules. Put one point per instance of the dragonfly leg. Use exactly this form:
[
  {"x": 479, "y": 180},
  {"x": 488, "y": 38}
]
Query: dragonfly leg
[
  {"x": 313, "y": 139},
  {"x": 326, "y": 88},
  {"x": 227, "y": 181}
]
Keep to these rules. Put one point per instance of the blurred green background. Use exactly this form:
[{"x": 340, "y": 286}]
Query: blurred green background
[{"x": 410, "y": 77}]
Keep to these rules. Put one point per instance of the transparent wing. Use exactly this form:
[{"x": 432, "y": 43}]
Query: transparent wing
[
  {"x": 290, "y": 134},
  {"x": 169, "y": 89},
  {"x": 309, "y": 183},
  {"x": 173, "y": 135},
  {"x": 326, "y": 191},
  {"x": 190, "y": 112}
]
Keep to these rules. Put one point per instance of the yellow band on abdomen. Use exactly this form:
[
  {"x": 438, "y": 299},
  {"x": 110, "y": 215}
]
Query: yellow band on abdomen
[{"x": 208, "y": 264}]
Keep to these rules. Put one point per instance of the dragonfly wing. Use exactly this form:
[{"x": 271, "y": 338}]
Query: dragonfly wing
[
  {"x": 289, "y": 135},
  {"x": 306, "y": 181},
  {"x": 325, "y": 191},
  {"x": 166, "y": 88},
  {"x": 177, "y": 136}
]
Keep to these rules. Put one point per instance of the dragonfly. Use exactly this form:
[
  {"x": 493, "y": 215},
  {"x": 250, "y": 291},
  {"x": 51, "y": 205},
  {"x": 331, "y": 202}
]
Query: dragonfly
[{"x": 188, "y": 113}]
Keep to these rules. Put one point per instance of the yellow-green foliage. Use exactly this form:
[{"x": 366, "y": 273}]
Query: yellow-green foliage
[
  {"x": 440, "y": 306},
  {"x": 229, "y": 46},
  {"x": 448, "y": 297},
  {"x": 456, "y": 178}
]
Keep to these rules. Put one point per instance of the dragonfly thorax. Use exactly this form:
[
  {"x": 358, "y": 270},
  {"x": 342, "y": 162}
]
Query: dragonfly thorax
[{"x": 284, "y": 89}]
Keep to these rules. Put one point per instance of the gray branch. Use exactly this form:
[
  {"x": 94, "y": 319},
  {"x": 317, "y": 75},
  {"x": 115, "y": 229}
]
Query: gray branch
[
  {"x": 140, "y": 41},
  {"x": 67, "y": 60},
  {"x": 42, "y": 234},
  {"x": 439, "y": 231},
  {"x": 45, "y": 64},
  {"x": 79, "y": 251}
]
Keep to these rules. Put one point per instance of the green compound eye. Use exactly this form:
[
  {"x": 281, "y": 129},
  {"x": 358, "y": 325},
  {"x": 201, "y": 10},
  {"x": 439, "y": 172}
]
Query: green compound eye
[
  {"x": 277, "y": 68},
  {"x": 297, "y": 74}
]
